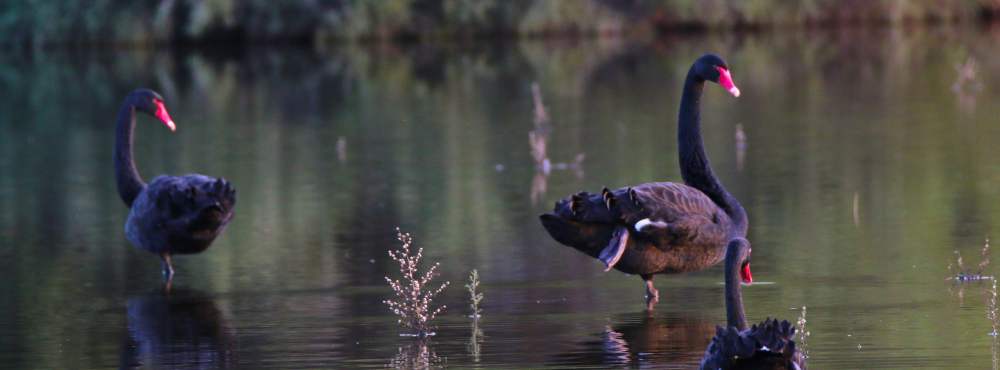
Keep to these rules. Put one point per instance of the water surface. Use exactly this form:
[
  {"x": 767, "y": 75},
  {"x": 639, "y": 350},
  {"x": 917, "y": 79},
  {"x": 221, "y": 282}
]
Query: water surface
[{"x": 862, "y": 171}]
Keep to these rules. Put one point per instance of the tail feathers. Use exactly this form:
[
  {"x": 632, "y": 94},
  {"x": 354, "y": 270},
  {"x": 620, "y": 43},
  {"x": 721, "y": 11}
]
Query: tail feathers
[
  {"x": 586, "y": 207},
  {"x": 609, "y": 198},
  {"x": 224, "y": 191},
  {"x": 635, "y": 199},
  {"x": 769, "y": 341},
  {"x": 589, "y": 238}
]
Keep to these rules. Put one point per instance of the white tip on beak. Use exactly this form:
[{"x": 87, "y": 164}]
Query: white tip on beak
[
  {"x": 171, "y": 126},
  {"x": 735, "y": 91}
]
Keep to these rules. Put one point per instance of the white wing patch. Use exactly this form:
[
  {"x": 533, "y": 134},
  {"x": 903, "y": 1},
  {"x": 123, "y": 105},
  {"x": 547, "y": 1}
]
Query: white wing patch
[
  {"x": 642, "y": 224},
  {"x": 647, "y": 223}
]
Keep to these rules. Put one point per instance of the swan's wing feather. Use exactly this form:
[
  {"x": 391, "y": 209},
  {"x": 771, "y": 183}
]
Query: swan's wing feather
[
  {"x": 769, "y": 343},
  {"x": 666, "y": 201},
  {"x": 675, "y": 213},
  {"x": 686, "y": 230},
  {"x": 187, "y": 193},
  {"x": 185, "y": 203},
  {"x": 684, "y": 215},
  {"x": 779, "y": 338}
]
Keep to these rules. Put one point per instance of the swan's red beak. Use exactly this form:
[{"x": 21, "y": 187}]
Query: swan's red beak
[
  {"x": 726, "y": 80},
  {"x": 161, "y": 113},
  {"x": 745, "y": 273}
]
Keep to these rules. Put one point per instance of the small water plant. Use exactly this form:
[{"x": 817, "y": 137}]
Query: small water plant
[
  {"x": 802, "y": 334},
  {"x": 992, "y": 315},
  {"x": 962, "y": 274},
  {"x": 991, "y": 310},
  {"x": 414, "y": 295},
  {"x": 475, "y": 296},
  {"x": 966, "y": 80}
]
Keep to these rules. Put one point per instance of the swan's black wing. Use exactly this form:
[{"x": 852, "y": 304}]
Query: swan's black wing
[
  {"x": 180, "y": 214},
  {"x": 768, "y": 345},
  {"x": 675, "y": 214}
]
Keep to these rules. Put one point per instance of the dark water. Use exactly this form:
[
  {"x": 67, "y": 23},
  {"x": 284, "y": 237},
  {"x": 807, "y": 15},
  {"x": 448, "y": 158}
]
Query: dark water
[{"x": 863, "y": 173}]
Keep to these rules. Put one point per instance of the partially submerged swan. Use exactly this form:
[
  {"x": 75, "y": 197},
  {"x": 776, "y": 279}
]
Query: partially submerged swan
[{"x": 769, "y": 344}]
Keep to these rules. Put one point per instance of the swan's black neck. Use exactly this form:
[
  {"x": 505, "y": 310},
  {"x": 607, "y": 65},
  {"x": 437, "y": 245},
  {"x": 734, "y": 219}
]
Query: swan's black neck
[
  {"x": 130, "y": 184},
  {"x": 695, "y": 167},
  {"x": 735, "y": 316}
]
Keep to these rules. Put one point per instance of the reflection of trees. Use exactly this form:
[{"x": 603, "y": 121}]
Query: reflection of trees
[{"x": 180, "y": 327}]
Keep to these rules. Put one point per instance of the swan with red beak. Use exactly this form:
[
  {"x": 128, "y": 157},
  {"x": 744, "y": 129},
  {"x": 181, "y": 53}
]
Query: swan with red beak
[
  {"x": 661, "y": 227},
  {"x": 171, "y": 214}
]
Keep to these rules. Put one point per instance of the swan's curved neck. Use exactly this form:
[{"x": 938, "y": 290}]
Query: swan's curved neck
[
  {"x": 130, "y": 184},
  {"x": 695, "y": 167},
  {"x": 735, "y": 316}
]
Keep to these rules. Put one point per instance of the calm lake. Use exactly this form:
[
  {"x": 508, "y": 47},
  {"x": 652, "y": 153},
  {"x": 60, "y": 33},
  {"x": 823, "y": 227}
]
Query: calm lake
[{"x": 863, "y": 171}]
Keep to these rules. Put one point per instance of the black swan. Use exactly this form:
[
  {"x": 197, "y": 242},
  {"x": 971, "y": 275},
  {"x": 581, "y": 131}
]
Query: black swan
[
  {"x": 661, "y": 227},
  {"x": 172, "y": 214},
  {"x": 767, "y": 345}
]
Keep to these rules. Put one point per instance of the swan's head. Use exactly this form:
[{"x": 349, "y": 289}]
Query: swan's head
[
  {"x": 738, "y": 254},
  {"x": 148, "y": 101},
  {"x": 711, "y": 67}
]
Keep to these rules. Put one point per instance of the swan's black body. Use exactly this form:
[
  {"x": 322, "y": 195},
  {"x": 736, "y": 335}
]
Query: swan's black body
[
  {"x": 767, "y": 345},
  {"x": 172, "y": 214},
  {"x": 684, "y": 227}
]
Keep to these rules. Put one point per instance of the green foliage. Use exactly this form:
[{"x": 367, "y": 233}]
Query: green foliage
[{"x": 35, "y": 22}]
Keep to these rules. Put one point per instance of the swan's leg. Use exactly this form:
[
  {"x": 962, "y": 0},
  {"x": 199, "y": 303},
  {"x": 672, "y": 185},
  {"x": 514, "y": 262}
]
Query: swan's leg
[
  {"x": 168, "y": 267},
  {"x": 652, "y": 295}
]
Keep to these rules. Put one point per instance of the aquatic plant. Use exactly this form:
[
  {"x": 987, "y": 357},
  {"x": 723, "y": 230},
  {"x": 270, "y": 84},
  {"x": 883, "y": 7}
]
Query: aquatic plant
[
  {"x": 991, "y": 310},
  {"x": 802, "y": 334},
  {"x": 475, "y": 296},
  {"x": 992, "y": 315},
  {"x": 966, "y": 77},
  {"x": 961, "y": 274},
  {"x": 414, "y": 297}
]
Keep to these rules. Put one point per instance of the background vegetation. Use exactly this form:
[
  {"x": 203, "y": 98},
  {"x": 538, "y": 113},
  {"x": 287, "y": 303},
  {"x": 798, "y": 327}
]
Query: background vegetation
[{"x": 33, "y": 22}]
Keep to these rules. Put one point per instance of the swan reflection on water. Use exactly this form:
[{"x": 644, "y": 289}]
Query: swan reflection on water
[
  {"x": 180, "y": 328},
  {"x": 646, "y": 341}
]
